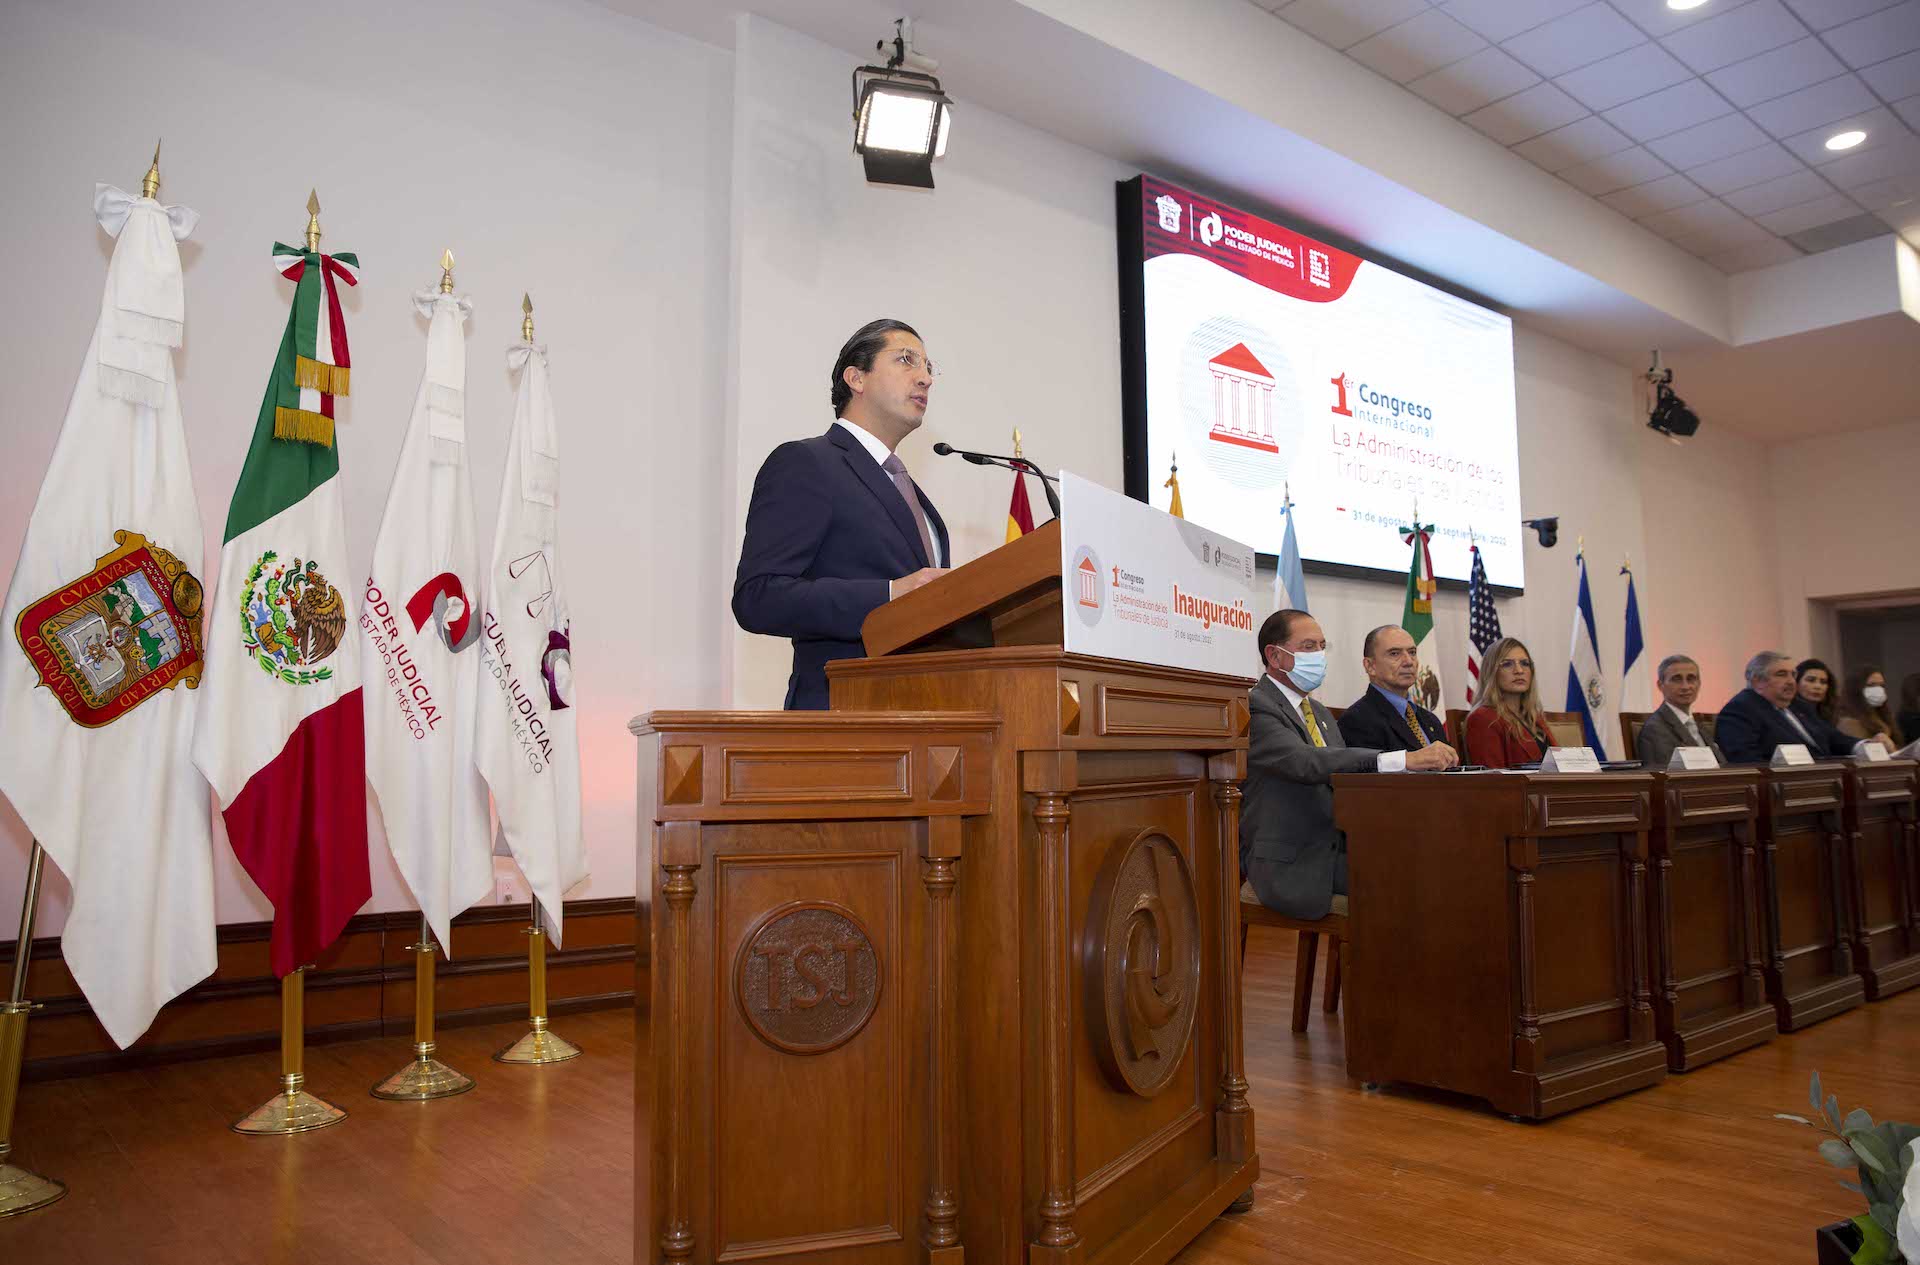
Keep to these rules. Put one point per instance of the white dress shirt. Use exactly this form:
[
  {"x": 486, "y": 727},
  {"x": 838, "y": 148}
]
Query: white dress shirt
[
  {"x": 880, "y": 452},
  {"x": 1385, "y": 762},
  {"x": 1688, "y": 723}
]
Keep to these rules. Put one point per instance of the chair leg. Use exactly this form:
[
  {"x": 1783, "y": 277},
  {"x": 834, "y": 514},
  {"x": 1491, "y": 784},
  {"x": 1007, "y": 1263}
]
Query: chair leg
[
  {"x": 1243, "y": 944},
  {"x": 1332, "y": 1002},
  {"x": 1303, "y": 978}
]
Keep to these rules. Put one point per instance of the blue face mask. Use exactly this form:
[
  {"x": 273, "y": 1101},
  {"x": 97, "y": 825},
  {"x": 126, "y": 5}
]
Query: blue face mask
[{"x": 1309, "y": 670}]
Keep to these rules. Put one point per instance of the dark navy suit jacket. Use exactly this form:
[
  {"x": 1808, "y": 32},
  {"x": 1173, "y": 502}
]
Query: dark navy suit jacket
[
  {"x": 1372, "y": 722},
  {"x": 826, "y": 531},
  {"x": 1749, "y": 727}
]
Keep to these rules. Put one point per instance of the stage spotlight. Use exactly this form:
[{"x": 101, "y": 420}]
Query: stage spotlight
[
  {"x": 900, "y": 115},
  {"x": 1670, "y": 415},
  {"x": 1548, "y": 529}
]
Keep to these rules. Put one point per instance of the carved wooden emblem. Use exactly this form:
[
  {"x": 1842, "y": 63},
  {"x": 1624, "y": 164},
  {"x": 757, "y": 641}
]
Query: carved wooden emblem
[
  {"x": 1141, "y": 954},
  {"x": 807, "y": 977}
]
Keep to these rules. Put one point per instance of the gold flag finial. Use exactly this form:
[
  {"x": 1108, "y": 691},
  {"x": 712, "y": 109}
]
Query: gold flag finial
[
  {"x": 150, "y": 183},
  {"x": 313, "y": 219},
  {"x": 1016, "y": 441},
  {"x": 526, "y": 318},
  {"x": 446, "y": 271}
]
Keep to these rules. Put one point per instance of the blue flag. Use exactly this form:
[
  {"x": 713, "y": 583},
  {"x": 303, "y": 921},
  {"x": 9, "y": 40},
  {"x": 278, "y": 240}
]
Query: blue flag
[
  {"x": 1586, "y": 688},
  {"x": 1634, "y": 642},
  {"x": 1289, "y": 581}
]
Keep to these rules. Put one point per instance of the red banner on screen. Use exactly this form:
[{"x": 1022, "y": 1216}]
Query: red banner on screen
[{"x": 1179, "y": 221}]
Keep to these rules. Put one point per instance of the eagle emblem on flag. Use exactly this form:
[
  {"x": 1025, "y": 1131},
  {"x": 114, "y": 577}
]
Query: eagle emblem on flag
[
  {"x": 294, "y": 618},
  {"x": 118, "y": 635}
]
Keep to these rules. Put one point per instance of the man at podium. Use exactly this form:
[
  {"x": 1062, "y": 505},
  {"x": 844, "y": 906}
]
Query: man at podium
[{"x": 836, "y": 525}]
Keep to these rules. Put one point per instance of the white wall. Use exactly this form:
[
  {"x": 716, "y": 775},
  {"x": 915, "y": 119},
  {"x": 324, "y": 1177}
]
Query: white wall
[{"x": 557, "y": 147}]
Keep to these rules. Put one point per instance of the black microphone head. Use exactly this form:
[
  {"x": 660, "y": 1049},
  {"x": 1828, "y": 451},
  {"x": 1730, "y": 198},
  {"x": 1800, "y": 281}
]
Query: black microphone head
[{"x": 943, "y": 449}]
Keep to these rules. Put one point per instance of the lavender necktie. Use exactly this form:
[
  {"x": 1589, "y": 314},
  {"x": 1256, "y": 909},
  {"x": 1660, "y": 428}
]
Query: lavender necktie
[{"x": 897, "y": 471}]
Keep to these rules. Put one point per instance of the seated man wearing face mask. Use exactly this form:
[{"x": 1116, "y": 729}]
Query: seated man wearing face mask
[{"x": 1292, "y": 857}]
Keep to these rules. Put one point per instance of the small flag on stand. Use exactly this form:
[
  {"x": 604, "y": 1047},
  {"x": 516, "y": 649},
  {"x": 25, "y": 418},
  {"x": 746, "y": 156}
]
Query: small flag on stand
[
  {"x": 1586, "y": 688},
  {"x": 1483, "y": 622},
  {"x": 1635, "y": 642},
  {"x": 1019, "y": 509},
  {"x": 1289, "y": 581},
  {"x": 1417, "y": 615},
  {"x": 1173, "y": 481}
]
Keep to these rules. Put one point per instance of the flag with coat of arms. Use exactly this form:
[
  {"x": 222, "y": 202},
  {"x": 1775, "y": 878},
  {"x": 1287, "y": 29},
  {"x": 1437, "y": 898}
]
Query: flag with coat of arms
[{"x": 1586, "y": 687}]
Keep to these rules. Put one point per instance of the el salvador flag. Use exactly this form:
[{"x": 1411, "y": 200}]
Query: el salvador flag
[
  {"x": 1586, "y": 690},
  {"x": 1289, "y": 581}
]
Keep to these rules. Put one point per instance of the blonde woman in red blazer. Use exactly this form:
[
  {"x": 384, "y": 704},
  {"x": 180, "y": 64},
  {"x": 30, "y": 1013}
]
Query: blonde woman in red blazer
[{"x": 1507, "y": 725}]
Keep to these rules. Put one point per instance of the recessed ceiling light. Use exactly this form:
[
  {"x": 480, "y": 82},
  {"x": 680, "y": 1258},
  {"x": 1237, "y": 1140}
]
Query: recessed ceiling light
[
  {"x": 1684, "y": 5},
  {"x": 1845, "y": 140}
]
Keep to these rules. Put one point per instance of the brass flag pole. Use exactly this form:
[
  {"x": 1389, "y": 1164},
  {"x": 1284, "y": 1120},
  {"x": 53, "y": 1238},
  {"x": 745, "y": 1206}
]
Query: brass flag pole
[
  {"x": 539, "y": 1045},
  {"x": 21, "y": 1190},
  {"x": 426, "y": 1077}
]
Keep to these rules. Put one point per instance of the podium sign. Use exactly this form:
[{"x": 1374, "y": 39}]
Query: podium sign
[{"x": 1143, "y": 586}]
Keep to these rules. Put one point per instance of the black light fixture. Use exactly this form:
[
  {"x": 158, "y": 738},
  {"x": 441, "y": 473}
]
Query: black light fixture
[
  {"x": 1670, "y": 415},
  {"x": 1548, "y": 529},
  {"x": 900, "y": 115}
]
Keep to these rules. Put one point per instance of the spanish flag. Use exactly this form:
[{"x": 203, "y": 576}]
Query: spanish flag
[{"x": 1019, "y": 512}]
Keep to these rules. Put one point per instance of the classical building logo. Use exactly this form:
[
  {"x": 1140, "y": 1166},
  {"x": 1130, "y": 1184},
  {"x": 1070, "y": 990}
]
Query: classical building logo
[
  {"x": 1086, "y": 586},
  {"x": 1242, "y": 400},
  {"x": 112, "y": 639}
]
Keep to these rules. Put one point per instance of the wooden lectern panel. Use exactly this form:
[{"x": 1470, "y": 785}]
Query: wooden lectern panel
[
  {"x": 1809, "y": 968},
  {"x": 1709, "y": 999},
  {"x": 1881, "y": 828}
]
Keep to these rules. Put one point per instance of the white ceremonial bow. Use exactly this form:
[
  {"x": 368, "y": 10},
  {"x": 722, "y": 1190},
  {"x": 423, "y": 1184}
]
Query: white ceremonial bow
[
  {"x": 534, "y": 422},
  {"x": 145, "y": 310}
]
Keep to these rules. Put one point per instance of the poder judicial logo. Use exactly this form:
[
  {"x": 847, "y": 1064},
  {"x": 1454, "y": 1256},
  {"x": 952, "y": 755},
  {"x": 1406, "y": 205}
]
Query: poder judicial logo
[{"x": 115, "y": 637}]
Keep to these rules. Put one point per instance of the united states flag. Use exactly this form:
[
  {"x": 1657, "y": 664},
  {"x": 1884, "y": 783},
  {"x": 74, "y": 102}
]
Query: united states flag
[{"x": 1483, "y": 622}]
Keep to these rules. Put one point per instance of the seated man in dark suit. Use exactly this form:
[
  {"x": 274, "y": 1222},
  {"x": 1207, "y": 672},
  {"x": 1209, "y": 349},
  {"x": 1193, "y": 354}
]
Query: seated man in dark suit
[
  {"x": 1761, "y": 718},
  {"x": 1293, "y": 858},
  {"x": 1384, "y": 718},
  {"x": 836, "y": 526},
  {"x": 1672, "y": 726}
]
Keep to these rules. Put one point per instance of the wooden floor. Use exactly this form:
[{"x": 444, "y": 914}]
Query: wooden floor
[{"x": 537, "y": 1164}]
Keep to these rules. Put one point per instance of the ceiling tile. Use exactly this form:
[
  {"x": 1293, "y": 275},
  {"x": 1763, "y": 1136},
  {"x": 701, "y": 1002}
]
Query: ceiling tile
[
  {"x": 1897, "y": 157},
  {"x": 1877, "y": 36},
  {"x": 1778, "y": 195},
  {"x": 1894, "y": 78},
  {"x": 1669, "y": 110},
  {"x": 1721, "y": 238},
  {"x": 1705, "y": 142},
  {"x": 1879, "y": 125},
  {"x": 1744, "y": 32},
  {"x": 1427, "y": 41},
  {"x": 1474, "y": 81},
  {"x": 1654, "y": 196},
  {"x": 1578, "y": 39},
  {"x": 1812, "y": 107},
  {"x": 1835, "y": 206},
  {"x": 1503, "y": 19},
  {"x": 1776, "y": 73},
  {"x": 1748, "y": 167},
  {"x": 1615, "y": 171},
  {"x": 1655, "y": 18},
  {"x": 1698, "y": 217},
  {"x": 1538, "y": 109},
  {"x": 1909, "y": 110},
  {"x": 1624, "y": 76},
  {"x": 1760, "y": 255},
  {"x": 1346, "y": 22},
  {"x": 1880, "y": 195},
  {"x": 1583, "y": 141},
  {"x": 1821, "y": 14}
]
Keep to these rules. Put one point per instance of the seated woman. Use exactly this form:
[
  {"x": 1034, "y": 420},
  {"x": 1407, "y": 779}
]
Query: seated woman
[
  {"x": 1908, "y": 721},
  {"x": 1507, "y": 726},
  {"x": 1815, "y": 687},
  {"x": 1863, "y": 708}
]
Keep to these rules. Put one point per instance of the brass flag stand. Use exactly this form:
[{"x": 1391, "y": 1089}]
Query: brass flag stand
[
  {"x": 293, "y": 1109},
  {"x": 539, "y": 1045},
  {"x": 426, "y": 1077},
  {"x": 21, "y": 1190}
]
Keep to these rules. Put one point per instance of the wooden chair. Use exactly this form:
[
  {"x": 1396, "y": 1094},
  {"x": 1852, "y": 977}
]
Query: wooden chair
[
  {"x": 1566, "y": 730},
  {"x": 1457, "y": 731},
  {"x": 1333, "y": 926},
  {"x": 1630, "y": 723}
]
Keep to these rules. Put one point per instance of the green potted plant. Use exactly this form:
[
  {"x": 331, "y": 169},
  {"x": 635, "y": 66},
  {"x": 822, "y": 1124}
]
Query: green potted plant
[{"x": 1882, "y": 1156}]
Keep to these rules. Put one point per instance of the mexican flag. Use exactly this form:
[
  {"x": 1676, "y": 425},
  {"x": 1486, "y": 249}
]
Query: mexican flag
[
  {"x": 102, "y": 648},
  {"x": 420, "y": 630},
  {"x": 280, "y": 734},
  {"x": 1417, "y": 617}
]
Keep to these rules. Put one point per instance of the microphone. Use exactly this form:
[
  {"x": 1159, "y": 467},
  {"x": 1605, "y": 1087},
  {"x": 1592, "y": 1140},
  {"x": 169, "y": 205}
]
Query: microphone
[{"x": 1019, "y": 465}]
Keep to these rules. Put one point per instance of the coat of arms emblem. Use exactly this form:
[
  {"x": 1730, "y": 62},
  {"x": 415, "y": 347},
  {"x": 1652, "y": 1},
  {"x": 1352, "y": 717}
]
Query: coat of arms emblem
[
  {"x": 115, "y": 637},
  {"x": 294, "y": 618}
]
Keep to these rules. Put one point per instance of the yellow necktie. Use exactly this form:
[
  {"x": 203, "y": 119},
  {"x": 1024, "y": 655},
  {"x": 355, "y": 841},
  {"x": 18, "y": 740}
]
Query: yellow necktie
[
  {"x": 1313, "y": 726},
  {"x": 1413, "y": 723}
]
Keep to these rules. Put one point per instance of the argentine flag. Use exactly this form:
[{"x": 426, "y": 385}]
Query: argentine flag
[
  {"x": 1586, "y": 690},
  {"x": 1289, "y": 581}
]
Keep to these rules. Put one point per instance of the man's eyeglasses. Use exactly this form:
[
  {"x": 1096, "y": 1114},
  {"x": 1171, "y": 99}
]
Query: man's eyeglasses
[{"x": 911, "y": 362}]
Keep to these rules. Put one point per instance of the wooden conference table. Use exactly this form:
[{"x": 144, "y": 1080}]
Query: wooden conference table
[{"x": 1545, "y": 941}]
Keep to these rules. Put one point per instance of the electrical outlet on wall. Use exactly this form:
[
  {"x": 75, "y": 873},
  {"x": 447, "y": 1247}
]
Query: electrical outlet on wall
[{"x": 509, "y": 885}]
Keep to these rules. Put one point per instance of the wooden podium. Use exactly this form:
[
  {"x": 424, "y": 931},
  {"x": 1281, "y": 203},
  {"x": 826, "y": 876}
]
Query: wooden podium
[
  {"x": 1810, "y": 970},
  {"x": 1084, "y": 813},
  {"x": 1884, "y": 846}
]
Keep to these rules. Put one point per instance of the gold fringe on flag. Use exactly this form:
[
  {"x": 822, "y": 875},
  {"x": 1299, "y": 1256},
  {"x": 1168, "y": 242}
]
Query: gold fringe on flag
[
  {"x": 315, "y": 375},
  {"x": 302, "y": 426}
]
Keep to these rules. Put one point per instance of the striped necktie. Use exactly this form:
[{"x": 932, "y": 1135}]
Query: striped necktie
[
  {"x": 1313, "y": 726},
  {"x": 1413, "y": 723}
]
